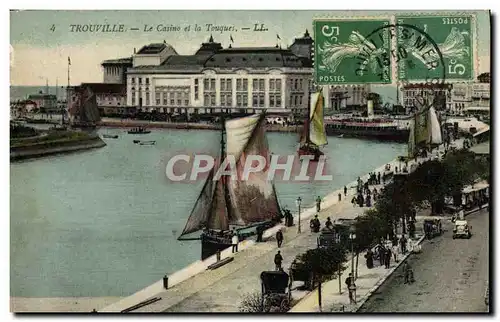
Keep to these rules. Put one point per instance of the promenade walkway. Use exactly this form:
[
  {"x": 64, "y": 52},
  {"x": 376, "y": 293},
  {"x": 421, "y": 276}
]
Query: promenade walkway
[{"x": 196, "y": 289}]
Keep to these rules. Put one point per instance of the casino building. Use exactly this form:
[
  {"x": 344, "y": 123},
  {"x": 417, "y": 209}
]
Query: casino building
[{"x": 216, "y": 79}]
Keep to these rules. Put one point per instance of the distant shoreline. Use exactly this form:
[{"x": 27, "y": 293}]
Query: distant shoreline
[{"x": 185, "y": 126}]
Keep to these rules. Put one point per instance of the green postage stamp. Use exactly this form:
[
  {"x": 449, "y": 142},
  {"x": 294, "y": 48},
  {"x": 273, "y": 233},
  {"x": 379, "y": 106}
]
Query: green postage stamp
[
  {"x": 343, "y": 54},
  {"x": 453, "y": 35}
]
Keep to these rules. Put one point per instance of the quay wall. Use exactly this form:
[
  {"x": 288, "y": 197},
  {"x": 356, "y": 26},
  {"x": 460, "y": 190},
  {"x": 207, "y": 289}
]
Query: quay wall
[
  {"x": 185, "y": 126},
  {"x": 41, "y": 149}
]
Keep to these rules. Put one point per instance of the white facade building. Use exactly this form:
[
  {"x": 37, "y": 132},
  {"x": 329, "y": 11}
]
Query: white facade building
[{"x": 216, "y": 79}]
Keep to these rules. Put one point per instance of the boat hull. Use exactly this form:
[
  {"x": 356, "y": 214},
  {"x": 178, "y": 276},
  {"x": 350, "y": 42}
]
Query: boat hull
[
  {"x": 144, "y": 132},
  {"x": 211, "y": 244},
  {"x": 314, "y": 152}
]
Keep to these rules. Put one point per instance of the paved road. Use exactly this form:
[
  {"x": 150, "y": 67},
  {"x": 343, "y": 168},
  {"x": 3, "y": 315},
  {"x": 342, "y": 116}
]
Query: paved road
[{"x": 450, "y": 275}]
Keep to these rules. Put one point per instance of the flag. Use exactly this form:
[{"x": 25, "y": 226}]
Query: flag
[
  {"x": 69, "y": 61},
  {"x": 278, "y": 36},
  {"x": 231, "y": 38}
]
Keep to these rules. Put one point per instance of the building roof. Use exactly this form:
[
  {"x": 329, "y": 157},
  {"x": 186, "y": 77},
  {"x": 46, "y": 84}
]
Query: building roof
[
  {"x": 152, "y": 48},
  {"x": 263, "y": 57},
  {"x": 212, "y": 55},
  {"x": 118, "y": 61},
  {"x": 105, "y": 88}
]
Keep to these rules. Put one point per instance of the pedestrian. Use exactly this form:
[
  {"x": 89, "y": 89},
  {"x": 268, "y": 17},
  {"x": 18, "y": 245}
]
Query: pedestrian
[
  {"x": 328, "y": 223},
  {"x": 353, "y": 201},
  {"x": 260, "y": 232},
  {"x": 315, "y": 224},
  {"x": 318, "y": 204},
  {"x": 381, "y": 254},
  {"x": 351, "y": 287},
  {"x": 387, "y": 257},
  {"x": 369, "y": 259},
  {"x": 395, "y": 249},
  {"x": 278, "y": 259},
  {"x": 378, "y": 181},
  {"x": 408, "y": 273},
  {"x": 234, "y": 241},
  {"x": 345, "y": 191},
  {"x": 279, "y": 238},
  {"x": 340, "y": 196},
  {"x": 403, "y": 242}
]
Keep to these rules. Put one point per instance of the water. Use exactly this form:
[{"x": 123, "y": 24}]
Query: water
[{"x": 104, "y": 222}]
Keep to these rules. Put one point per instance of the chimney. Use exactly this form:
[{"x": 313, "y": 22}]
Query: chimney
[{"x": 134, "y": 51}]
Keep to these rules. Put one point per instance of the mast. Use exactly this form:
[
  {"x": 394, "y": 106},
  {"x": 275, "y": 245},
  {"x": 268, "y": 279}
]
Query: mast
[
  {"x": 308, "y": 118},
  {"x": 223, "y": 157}
]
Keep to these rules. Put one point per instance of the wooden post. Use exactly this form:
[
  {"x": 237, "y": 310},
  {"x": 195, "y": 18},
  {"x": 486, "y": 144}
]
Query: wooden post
[
  {"x": 319, "y": 295},
  {"x": 357, "y": 260},
  {"x": 340, "y": 279}
]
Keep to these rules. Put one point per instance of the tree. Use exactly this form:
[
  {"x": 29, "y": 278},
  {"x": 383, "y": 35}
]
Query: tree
[{"x": 252, "y": 303}]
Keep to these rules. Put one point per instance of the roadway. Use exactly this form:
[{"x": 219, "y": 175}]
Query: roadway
[{"x": 451, "y": 275}]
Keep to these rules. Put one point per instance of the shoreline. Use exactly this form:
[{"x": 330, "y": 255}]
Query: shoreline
[
  {"x": 18, "y": 153},
  {"x": 117, "y": 123}
]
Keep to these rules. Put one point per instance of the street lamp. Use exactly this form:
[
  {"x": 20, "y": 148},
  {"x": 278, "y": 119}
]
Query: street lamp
[
  {"x": 352, "y": 237},
  {"x": 298, "y": 202}
]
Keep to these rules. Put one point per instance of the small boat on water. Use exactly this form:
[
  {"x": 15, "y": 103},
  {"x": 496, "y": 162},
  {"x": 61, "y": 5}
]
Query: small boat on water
[
  {"x": 139, "y": 130},
  {"x": 137, "y": 141},
  {"x": 109, "y": 136},
  {"x": 147, "y": 143}
]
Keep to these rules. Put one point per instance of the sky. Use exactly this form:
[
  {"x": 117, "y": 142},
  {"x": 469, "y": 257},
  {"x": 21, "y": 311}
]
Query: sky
[{"x": 41, "y": 41}]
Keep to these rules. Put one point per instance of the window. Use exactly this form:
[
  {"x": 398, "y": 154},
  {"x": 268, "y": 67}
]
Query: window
[
  {"x": 171, "y": 99},
  {"x": 226, "y": 92},
  {"x": 209, "y": 92},
  {"x": 133, "y": 80},
  {"x": 147, "y": 99},
  {"x": 157, "y": 98},
  {"x": 133, "y": 98},
  {"x": 196, "y": 89},
  {"x": 140, "y": 80},
  {"x": 275, "y": 92},
  {"x": 164, "y": 98},
  {"x": 147, "y": 81},
  {"x": 258, "y": 92}
]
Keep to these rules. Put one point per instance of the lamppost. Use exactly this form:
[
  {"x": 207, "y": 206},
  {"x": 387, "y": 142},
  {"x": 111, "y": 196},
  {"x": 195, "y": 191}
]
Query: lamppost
[
  {"x": 352, "y": 237},
  {"x": 298, "y": 202}
]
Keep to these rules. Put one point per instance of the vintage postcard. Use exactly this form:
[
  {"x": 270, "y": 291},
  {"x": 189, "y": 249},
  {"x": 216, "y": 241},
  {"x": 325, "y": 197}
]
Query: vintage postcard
[{"x": 250, "y": 161}]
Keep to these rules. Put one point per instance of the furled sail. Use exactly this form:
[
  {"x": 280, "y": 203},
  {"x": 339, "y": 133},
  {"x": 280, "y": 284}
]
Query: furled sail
[
  {"x": 84, "y": 109},
  {"x": 202, "y": 209},
  {"x": 253, "y": 200},
  {"x": 435, "y": 127},
  {"x": 317, "y": 134},
  {"x": 89, "y": 112},
  {"x": 422, "y": 128},
  {"x": 314, "y": 127}
]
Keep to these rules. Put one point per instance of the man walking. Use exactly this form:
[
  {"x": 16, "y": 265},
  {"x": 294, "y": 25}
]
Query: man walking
[
  {"x": 387, "y": 257},
  {"x": 279, "y": 238},
  {"x": 318, "y": 204},
  {"x": 234, "y": 241},
  {"x": 349, "y": 281},
  {"x": 278, "y": 259},
  {"x": 345, "y": 191},
  {"x": 403, "y": 242}
]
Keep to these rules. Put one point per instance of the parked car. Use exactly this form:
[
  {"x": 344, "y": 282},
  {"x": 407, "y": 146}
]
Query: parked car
[{"x": 461, "y": 229}]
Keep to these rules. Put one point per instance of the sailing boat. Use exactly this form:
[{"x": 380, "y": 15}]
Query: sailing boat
[
  {"x": 225, "y": 204},
  {"x": 425, "y": 131},
  {"x": 84, "y": 112},
  {"x": 313, "y": 135}
]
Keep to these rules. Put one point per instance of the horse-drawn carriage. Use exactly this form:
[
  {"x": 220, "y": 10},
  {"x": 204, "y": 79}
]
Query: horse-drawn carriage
[{"x": 276, "y": 291}]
